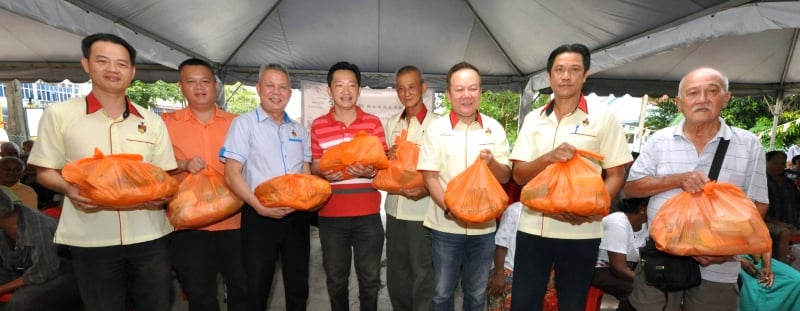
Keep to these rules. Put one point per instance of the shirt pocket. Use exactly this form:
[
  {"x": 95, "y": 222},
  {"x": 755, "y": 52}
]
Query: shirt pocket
[{"x": 140, "y": 144}]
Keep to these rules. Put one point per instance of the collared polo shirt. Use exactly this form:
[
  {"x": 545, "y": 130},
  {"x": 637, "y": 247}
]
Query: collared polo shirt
[
  {"x": 352, "y": 197},
  {"x": 397, "y": 205},
  {"x": 449, "y": 146},
  {"x": 265, "y": 148},
  {"x": 668, "y": 151},
  {"x": 598, "y": 131},
  {"x": 70, "y": 131},
  {"x": 192, "y": 138}
]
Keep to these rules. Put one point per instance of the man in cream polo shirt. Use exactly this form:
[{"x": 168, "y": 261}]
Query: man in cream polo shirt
[
  {"x": 449, "y": 146},
  {"x": 550, "y": 134},
  {"x": 119, "y": 256},
  {"x": 409, "y": 269}
]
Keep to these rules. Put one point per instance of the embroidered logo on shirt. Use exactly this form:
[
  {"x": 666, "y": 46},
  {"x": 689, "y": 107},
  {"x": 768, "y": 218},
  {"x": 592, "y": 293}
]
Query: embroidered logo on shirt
[
  {"x": 585, "y": 122},
  {"x": 142, "y": 127},
  {"x": 294, "y": 134},
  {"x": 488, "y": 131}
]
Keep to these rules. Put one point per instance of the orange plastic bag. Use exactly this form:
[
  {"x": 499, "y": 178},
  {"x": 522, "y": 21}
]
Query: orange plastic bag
[
  {"x": 299, "y": 191},
  {"x": 718, "y": 221},
  {"x": 402, "y": 171},
  {"x": 202, "y": 199},
  {"x": 573, "y": 186},
  {"x": 364, "y": 149},
  {"x": 475, "y": 196},
  {"x": 119, "y": 181}
]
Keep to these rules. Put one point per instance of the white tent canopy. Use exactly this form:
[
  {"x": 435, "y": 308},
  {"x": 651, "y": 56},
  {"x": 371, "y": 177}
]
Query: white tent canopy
[{"x": 638, "y": 46}]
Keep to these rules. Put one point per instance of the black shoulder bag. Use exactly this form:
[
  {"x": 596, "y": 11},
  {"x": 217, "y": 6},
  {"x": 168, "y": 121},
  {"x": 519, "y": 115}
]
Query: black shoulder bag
[{"x": 668, "y": 272}]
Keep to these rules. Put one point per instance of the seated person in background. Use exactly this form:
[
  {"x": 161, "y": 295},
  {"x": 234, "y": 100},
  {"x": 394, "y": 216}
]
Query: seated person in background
[
  {"x": 781, "y": 293},
  {"x": 27, "y": 146},
  {"x": 498, "y": 292},
  {"x": 11, "y": 169},
  {"x": 499, "y": 285},
  {"x": 46, "y": 196},
  {"x": 9, "y": 149},
  {"x": 624, "y": 232},
  {"x": 31, "y": 267},
  {"x": 784, "y": 200}
]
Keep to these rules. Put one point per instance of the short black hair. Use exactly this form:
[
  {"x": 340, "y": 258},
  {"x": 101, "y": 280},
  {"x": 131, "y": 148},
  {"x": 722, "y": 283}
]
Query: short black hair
[
  {"x": 195, "y": 62},
  {"x": 773, "y": 153},
  {"x": 344, "y": 66},
  {"x": 795, "y": 159},
  {"x": 86, "y": 44},
  {"x": 633, "y": 205},
  {"x": 16, "y": 160},
  {"x": 461, "y": 66},
  {"x": 570, "y": 48}
]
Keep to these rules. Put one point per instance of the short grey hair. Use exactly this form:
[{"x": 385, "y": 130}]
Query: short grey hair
[
  {"x": 719, "y": 74},
  {"x": 410, "y": 68},
  {"x": 277, "y": 67}
]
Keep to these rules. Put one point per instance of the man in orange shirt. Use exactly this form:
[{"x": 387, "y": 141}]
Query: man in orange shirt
[{"x": 197, "y": 133}]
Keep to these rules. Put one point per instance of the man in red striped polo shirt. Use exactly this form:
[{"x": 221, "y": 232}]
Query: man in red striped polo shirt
[{"x": 349, "y": 224}]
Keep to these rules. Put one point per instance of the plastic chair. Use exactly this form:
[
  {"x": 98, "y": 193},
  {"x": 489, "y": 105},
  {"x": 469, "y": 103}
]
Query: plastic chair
[
  {"x": 594, "y": 299},
  {"x": 54, "y": 212}
]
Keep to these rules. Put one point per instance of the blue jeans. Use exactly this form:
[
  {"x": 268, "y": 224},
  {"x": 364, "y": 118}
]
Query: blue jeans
[
  {"x": 360, "y": 239},
  {"x": 573, "y": 261},
  {"x": 110, "y": 278},
  {"x": 469, "y": 254}
]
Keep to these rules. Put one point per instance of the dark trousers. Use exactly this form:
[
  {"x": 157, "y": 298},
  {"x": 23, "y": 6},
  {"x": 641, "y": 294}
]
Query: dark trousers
[
  {"x": 409, "y": 265},
  {"x": 264, "y": 239},
  {"x": 60, "y": 293},
  {"x": 111, "y": 278},
  {"x": 609, "y": 283},
  {"x": 360, "y": 239},
  {"x": 197, "y": 257},
  {"x": 573, "y": 261}
]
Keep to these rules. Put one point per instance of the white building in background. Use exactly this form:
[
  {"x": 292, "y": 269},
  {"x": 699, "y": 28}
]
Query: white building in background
[{"x": 36, "y": 96}]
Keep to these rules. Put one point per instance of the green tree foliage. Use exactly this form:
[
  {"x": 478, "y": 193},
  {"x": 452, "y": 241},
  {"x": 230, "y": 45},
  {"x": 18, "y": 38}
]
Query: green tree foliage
[
  {"x": 501, "y": 106},
  {"x": 145, "y": 94},
  {"x": 240, "y": 99},
  {"x": 661, "y": 113},
  {"x": 750, "y": 113},
  {"x": 744, "y": 112}
]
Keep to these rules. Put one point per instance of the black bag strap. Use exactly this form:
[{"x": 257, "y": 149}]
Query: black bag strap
[{"x": 716, "y": 164}]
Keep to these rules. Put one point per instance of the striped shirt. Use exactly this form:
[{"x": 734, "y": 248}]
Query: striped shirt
[
  {"x": 327, "y": 132},
  {"x": 668, "y": 151}
]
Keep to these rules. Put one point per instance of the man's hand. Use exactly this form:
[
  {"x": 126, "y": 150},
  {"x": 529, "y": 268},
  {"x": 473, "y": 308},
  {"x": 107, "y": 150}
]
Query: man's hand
[
  {"x": 573, "y": 218},
  {"x": 486, "y": 156},
  {"x": 195, "y": 165},
  {"x": 79, "y": 201},
  {"x": 497, "y": 283},
  {"x": 392, "y": 153},
  {"x": 274, "y": 212},
  {"x": 358, "y": 170},
  {"x": 563, "y": 153},
  {"x": 693, "y": 182},
  {"x": 414, "y": 194}
]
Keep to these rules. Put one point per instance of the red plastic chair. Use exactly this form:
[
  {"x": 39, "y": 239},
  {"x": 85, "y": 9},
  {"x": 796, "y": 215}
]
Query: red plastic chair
[
  {"x": 594, "y": 299},
  {"x": 55, "y": 211}
]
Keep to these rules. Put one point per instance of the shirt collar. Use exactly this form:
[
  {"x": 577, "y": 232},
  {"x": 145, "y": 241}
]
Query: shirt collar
[
  {"x": 548, "y": 109},
  {"x": 454, "y": 119},
  {"x": 187, "y": 113},
  {"x": 420, "y": 115},
  {"x": 93, "y": 105},
  {"x": 262, "y": 115},
  {"x": 332, "y": 118}
]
